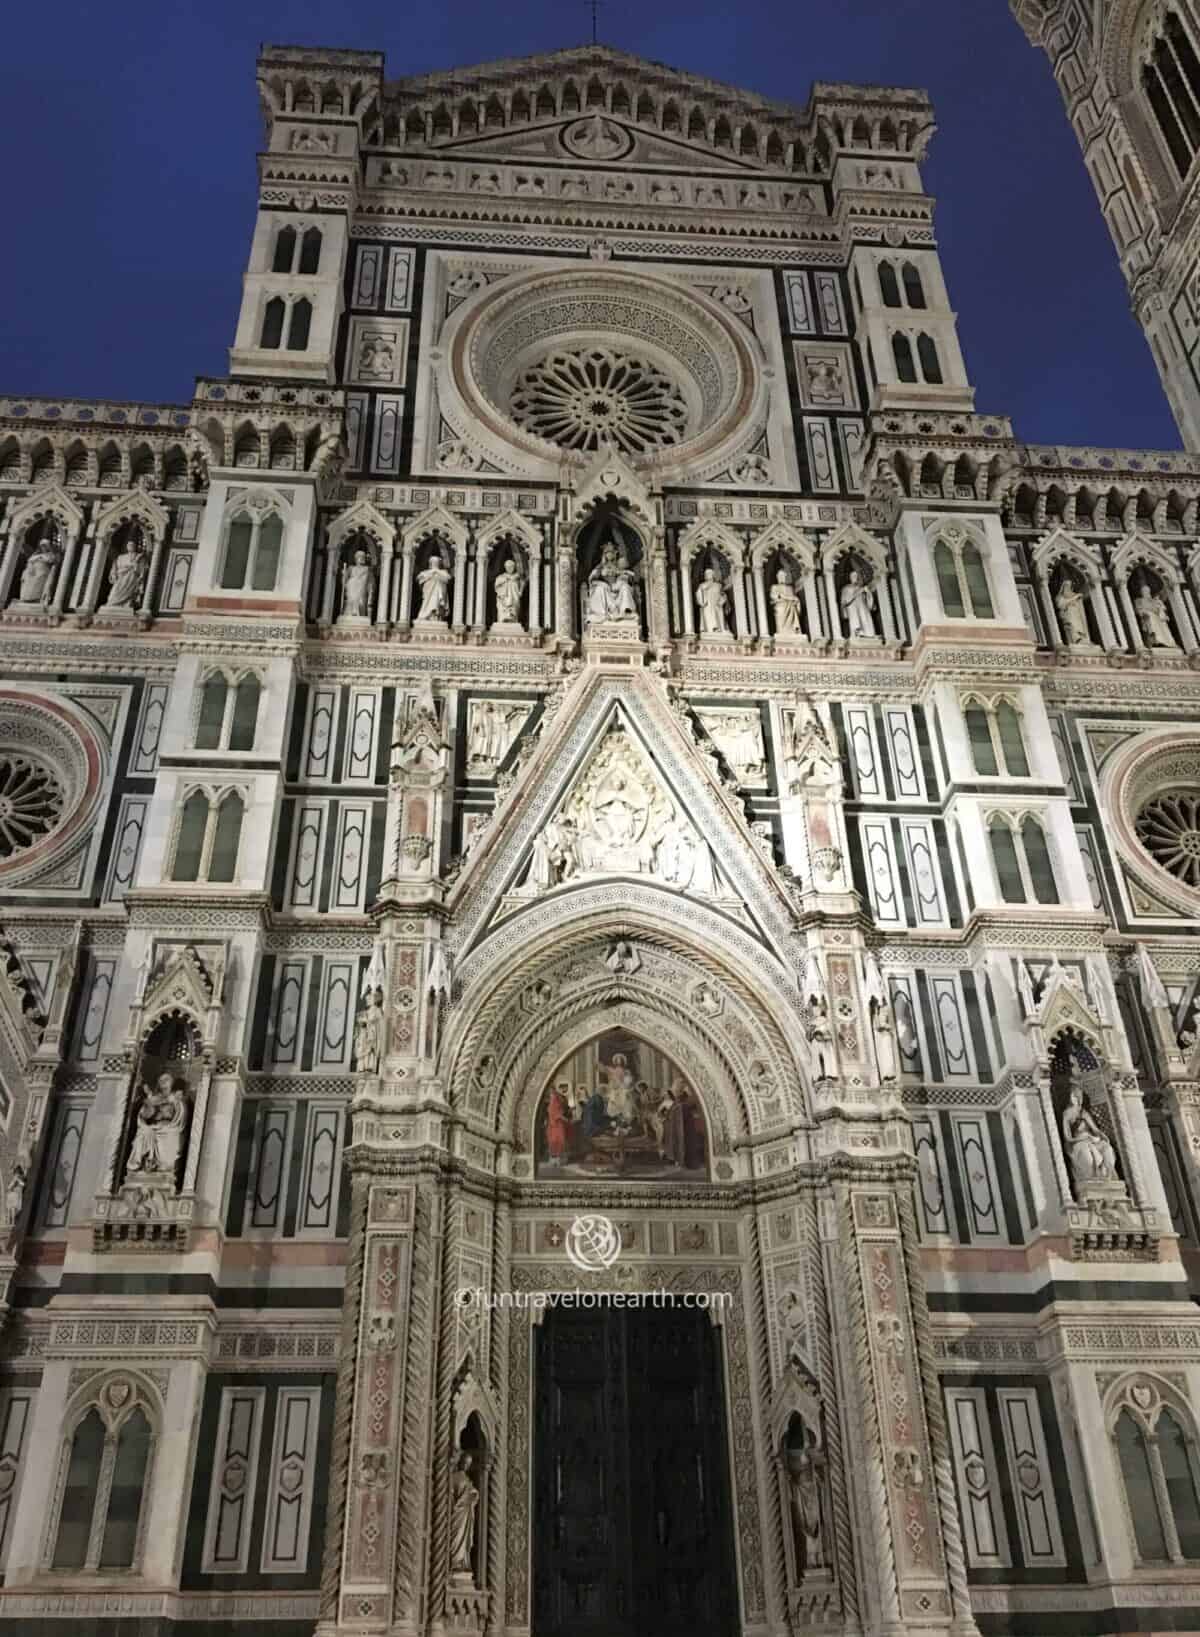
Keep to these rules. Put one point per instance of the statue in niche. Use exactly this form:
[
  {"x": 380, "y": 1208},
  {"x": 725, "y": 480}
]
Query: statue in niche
[
  {"x": 434, "y": 583},
  {"x": 510, "y": 586},
  {"x": 358, "y": 586},
  {"x": 464, "y": 1505},
  {"x": 127, "y": 577},
  {"x": 1071, "y": 603},
  {"x": 40, "y": 567},
  {"x": 785, "y": 605},
  {"x": 857, "y": 602},
  {"x": 368, "y": 1033},
  {"x": 158, "y": 1133},
  {"x": 711, "y": 597},
  {"x": 1151, "y": 613},
  {"x": 804, "y": 1465},
  {"x": 1091, "y": 1155},
  {"x": 612, "y": 587}
]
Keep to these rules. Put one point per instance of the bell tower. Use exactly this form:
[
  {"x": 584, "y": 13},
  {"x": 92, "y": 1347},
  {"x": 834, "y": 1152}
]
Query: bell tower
[{"x": 1129, "y": 74}]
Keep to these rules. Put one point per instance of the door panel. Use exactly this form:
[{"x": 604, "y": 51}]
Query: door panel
[{"x": 632, "y": 1528}]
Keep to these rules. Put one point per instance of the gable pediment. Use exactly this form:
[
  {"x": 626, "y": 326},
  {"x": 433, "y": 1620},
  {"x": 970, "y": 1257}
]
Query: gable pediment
[
  {"x": 614, "y": 788},
  {"x": 617, "y": 145}
]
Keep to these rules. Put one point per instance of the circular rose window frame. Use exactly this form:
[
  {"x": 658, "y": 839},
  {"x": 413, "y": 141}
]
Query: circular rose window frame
[
  {"x": 49, "y": 732},
  {"x": 1155, "y": 763},
  {"x": 717, "y": 359}
]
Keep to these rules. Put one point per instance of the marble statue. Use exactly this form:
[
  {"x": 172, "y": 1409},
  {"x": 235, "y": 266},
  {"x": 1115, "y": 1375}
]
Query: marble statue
[
  {"x": 1091, "y": 1155},
  {"x": 804, "y": 1465},
  {"x": 1071, "y": 604},
  {"x": 358, "y": 587},
  {"x": 490, "y": 729},
  {"x": 857, "y": 603},
  {"x": 158, "y": 1133},
  {"x": 127, "y": 577},
  {"x": 510, "y": 584},
  {"x": 785, "y": 605},
  {"x": 464, "y": 1504},
  {"x": 710, "y": 601},
  {"x": 38, "y": 570},
  {"x": 1151, "y": 613},
  {"x": 434, "y": 582},
  {"x": 368, "y": 1033},
  {"x": 611, "y": 593}
]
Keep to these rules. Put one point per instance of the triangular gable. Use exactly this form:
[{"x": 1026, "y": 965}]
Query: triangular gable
[
  {"x": 618, "y": 145},
  {"x": 710, "y": 844}
]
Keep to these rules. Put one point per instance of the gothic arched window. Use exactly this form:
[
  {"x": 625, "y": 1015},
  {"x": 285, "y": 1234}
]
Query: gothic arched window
[
  {"x": 272, "y": 328},
  {"x": 1039, "y": 869},
  {"x": 228, "y": 713},
  {"x": 978, "y": 591},
  {"x": 946, "y": 567},
  {"x": 1005, "y": 862},
  {"x": 1171, "y": 83},
  {"x": 1134, "y": 1458},
  {"x": 902, "y": 352},
  {"x": 310, "y": 250},
  {"x": 914, "y": 290},
  {"x": 298, "y": 325},
  {"x": 931, "y": 368},
  {"x": 210, "y": 726},
  {"x": 285, "y": 250},
  {"x": 252, "y": 547},
  {"x": 245, "y": 713},
  {"x": 209, "y": 836},
  {"x": 889, "y": 285},
  {"x": 105, "y": 1480}
]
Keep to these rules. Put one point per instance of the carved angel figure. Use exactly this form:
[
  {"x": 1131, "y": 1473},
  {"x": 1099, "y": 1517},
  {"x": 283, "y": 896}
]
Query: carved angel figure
[
  {"x": 38, "y": 571},
  {"x": 1071, "y": 604}
]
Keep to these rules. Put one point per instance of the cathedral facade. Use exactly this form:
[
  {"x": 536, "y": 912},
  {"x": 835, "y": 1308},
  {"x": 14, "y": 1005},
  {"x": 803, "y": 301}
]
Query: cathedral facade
[{"x": 599, "y": 883}]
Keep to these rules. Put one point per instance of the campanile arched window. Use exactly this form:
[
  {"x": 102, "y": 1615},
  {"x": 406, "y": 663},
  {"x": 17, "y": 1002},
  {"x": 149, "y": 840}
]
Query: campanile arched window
[
  {"x": 106, "y": 1464},
  {"x": 1171, "y": 85}
]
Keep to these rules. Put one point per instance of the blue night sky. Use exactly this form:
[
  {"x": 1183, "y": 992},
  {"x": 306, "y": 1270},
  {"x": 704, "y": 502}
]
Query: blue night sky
[{"x": 130, "y": 182}]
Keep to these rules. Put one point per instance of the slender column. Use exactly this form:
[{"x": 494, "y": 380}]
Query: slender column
[
  {"x": 760, "y": 600},
  {"x": 92, "y": 595},
  {"x": 1104, "y": 624},
  {"x": 1183, "y": 619},
  {"x": 156, "y": 557},
  {"x": 330, "y": 593},
  {"x": 535, "y": 589},
  {"x": 887, "y": 615},
  {"x": 65, "y": 570},
  {"x": 741, "y": 615},
  {"x": 686, "y": 609},
  {"x": 1135, "y": 630},
  {"x": 383, "y": 614},
  {"x": 812, "y": 606},
  {"x": 460, "y": 586},
  {"x": 564, "y": 611},
  {"x": 482, "y": 557},
  {"x": 658, "y": 612},
  {"x": 835, "y": 613},
  {"x": 404, "y": 612}
]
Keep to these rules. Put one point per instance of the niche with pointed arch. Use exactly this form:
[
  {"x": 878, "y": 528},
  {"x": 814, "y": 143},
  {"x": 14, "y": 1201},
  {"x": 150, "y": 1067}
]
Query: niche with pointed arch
[{"x": 618, "y": 1108}]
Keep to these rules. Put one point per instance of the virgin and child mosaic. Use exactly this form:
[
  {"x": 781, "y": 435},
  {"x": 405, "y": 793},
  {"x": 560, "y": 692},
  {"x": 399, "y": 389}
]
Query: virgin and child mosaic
[{"x": 618, "y": 1107}]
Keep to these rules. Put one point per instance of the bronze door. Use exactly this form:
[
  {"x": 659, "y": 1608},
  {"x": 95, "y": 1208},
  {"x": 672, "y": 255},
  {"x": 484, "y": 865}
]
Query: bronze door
[{"x": 631, "y": 1515}]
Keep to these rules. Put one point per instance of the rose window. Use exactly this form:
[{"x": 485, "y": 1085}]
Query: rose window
[
  {"x": 31, "y": 803},
  {"x": 1169, "y": 829},
  {"x": 582, "y": 397}
]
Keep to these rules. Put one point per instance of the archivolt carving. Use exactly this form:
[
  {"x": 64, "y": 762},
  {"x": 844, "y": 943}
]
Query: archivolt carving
[{"x": 510, "y": 1040}]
